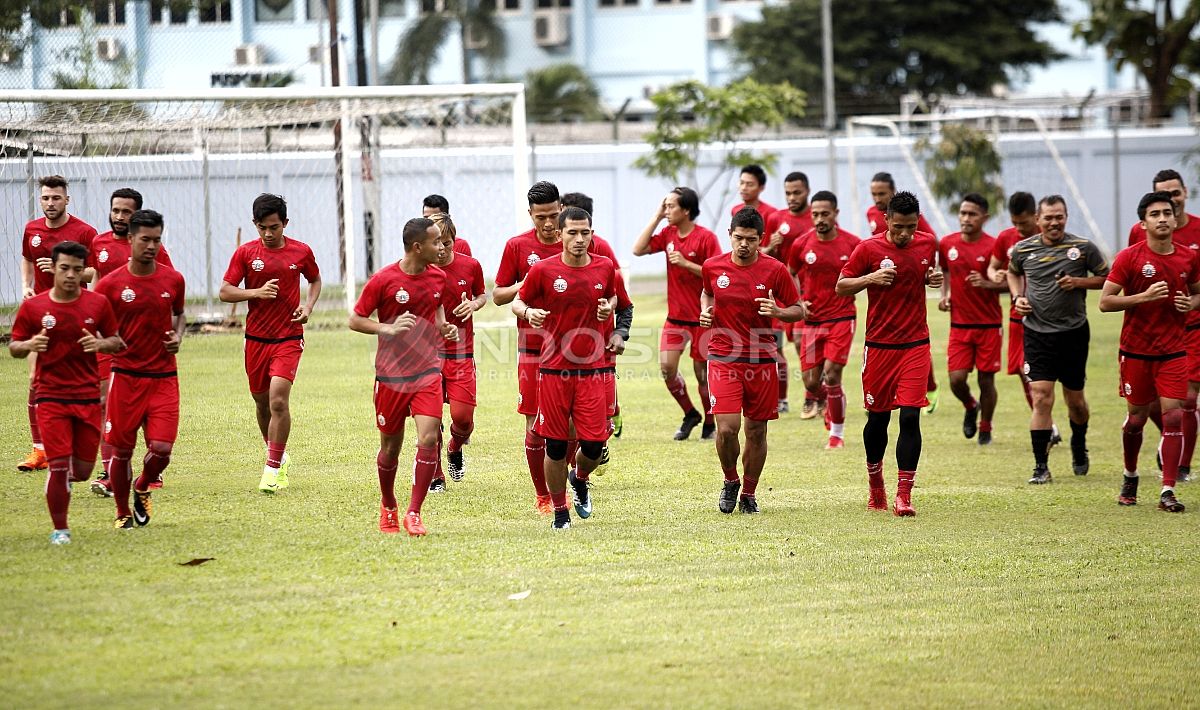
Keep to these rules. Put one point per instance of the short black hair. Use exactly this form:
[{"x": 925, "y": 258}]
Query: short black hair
[
  {"x": 977, "y": 199},
  {"x": 68, "y": 248},
  {"x": 542, "y": 193},
  {"x": 756, "y": 172},
  {"x": 437, "y": 202},
  {"x": 1151, "y": 198},
  {"x": 573, "y": 213},
  {"x": 884, "y": 177},
  {"x": 53, "y": 181},
  {"x": 688, "y": 200},
  {"x": 266, "y": 205},
  {"x": 580, "y": 200},
  {"x": 824, "y": 196},
  {"x": 797, "y": 175},
  {"x": 144, "y": 218},
  {"x": 1166, "y": 175},
  {"x": 127, "y": 193},
  {"x": 1052, "y": 200},
  {"x": 747, "y": 217},
  {"x": 904, "y": 202},
  {"x": 416, "y": 230},
  {"x": 1022, "y": 203}
]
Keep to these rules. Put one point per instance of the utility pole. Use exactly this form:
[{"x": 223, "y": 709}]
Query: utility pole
[
  {"x": 335, "y": 76},
  {"x": 830, "y": 108},
  {"x": 369, "y": 165}
]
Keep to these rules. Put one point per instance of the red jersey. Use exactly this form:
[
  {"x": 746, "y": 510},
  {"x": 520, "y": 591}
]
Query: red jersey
[
  {"x": 256, "y": 264},
  {"x": 763, "y": 209},
  {"x": 110, "y": 252},
  {"x": 790, "y": 227},
  {"x": 969, "y": 305},
  {"x": 39, "y": 240},
  {"x": 64, "y": 372},
  {"x": 818, "y": 264},
  {"x": 1155, "y": 328},
  {"x": 1187, "y": 235},
  {"x": 391, "y": 293},
  {"x": 877, "y": 222},
  {"x": 461, "y": 246},
  {"x": 895, "y": 313},
  {"x": 575, "y": 340},
  {"x": 683, "y": 286},
  {"x": 464, "y": 277},
  {"x": 145, "y": 308},
  {"x": 738, "y": 332}
]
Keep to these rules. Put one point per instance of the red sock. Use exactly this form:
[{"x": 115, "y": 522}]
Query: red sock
[
  {"x": 749, "y": 485},
  {"x": 437, "y": 466},
  {"x": 387, "y": 479},
  {"x": 1189, "y": 430},
  {"x": 119, "y": 475},
  {"x": 1131, "y": 440},
  {"x": 275, "y": 453},
  {"x": 985, "y": 425},
  {"x": 559, "y": 500},
  {"x": 704, "y": 395},
  {"x": 423, "y": 468},
  {"x": 106, "y": 454},
  {"x": 904, "y": 482},
  {"x": 34, "y": 432},
  {"x": 813, "y": 395},
  {"x": 1028, "y": 392},
  {"x": 836, "y": 405},
  {"x": 875, "y": 475},
  {"x": 462, "y": 423},
  {"x": 1172, "y": 445},
  {"x": 782, "y": 367},
  {"x": 158, "y": 455},
  {"x": 678, "y": 389},
  {"x": 58, "y": 492},
  {"x": 572, "y": 449},
  {"x": 730, "y": 474},
  {"x": 535, "y": 457},
  {"x": 823, "y": 393}
]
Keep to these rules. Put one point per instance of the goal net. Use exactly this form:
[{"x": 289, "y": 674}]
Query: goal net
[{"x": 352, "y": 163}]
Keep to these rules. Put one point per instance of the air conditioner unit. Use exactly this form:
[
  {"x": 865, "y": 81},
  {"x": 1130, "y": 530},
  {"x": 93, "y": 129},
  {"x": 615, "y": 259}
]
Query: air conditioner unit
[
  {"x": 249, "y": 55},
  {"x": 720, "y": 26},
  {"x": 475, "y": 40},
  {"x": 316, "y": 54},
  {"x": 10, "y": 55},
  {"x": 108, "y": 49},
  {"x": 551, "y": 28}
]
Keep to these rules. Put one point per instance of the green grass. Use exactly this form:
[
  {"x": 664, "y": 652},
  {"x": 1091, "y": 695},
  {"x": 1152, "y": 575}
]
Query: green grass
[{"x": 997, "y": 594}]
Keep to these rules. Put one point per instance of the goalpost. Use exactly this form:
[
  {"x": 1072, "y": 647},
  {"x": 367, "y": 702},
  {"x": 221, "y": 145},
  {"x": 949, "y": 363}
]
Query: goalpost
[{"x": 201, "y": 157}]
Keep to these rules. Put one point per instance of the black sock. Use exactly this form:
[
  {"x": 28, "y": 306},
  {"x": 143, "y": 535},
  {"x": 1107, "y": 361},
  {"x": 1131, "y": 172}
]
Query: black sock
[
  {"x": 562, "y": 516},
  {"x": 875, "y": 435},
  {"x": 1041, "y": 445},
  {"x": 1078, "y": 440}
]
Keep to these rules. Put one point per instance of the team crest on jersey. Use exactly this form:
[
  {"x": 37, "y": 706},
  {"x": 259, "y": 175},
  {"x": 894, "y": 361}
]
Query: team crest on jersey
[
  {"x": 1148, "y": 270},
  {"x": 128, "y": 295},
  {"x": 887, "y": 263},
  {"x": 810, "y": 257},
  {"x": 952, "y": 254},
  {"x": 36, "y": 241},
  {"x": 872, "y": 224},
  {"x": 670, "y": 248},
  {"x": 1073, "y": 253},
  {"x": 785, "y": 228},
  {"x": 723, "y": 281},
  {"x": 49, "y": 321},
  {"x": 102, "y": 257},
  {"x": 402, "y": 296},
  {"x": 108, "y": 426},
  {"x": 560, "y": 284},
  {"x": 532, "y": 259},
  {"x": 258, "y": 265}
]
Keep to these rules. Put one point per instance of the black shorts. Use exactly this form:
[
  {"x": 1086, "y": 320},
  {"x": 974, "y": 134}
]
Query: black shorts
[{"x": 1057, "y": 357}]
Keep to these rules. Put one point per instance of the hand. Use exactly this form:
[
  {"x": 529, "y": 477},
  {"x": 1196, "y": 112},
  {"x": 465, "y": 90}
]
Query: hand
[
  {"x": 301, "y": 314},
  {"x": 1067, "y": 283},
  {"x": 536, "y": 316},
  {"x": 706, "y": 317},
  {"x": 934, "y": 277},
  {"x": 27, "y": 292},
  {"x": 767, "y": 307},
  {"x": 662, "y": 211},
  {"x": 46, "y": 264},
  {"x": 449, "y": 332},
  {"x": 944, "y": 304},
  {"x": 883, "y": 277},
  {"x": 1183, "y": 302},
  {"x": 1023, "y": 306},
  {"x": 604, "y": 309},
  {"x": 804, "y": 306},
  {"x": 616, "y": 344},
  {"x": 675, "y": 258},
  {"x": 1000, "y": 276},
  {"x": 402, "y": 324},
  {"x": 975, "y": 279},
  {"x": 40, "y": 342},
  {"x": 1157, "y": 291},
  {"x": 173, "y": 341},
  {"x": 89, "y": 342},
  {"x": 268, "y": 291},
  {"x": 465, "y": 309}
]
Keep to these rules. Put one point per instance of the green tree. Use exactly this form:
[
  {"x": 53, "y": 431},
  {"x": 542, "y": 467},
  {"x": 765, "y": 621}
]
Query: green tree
[
  {"x": 421, "y": 43},
  {"x": 562, "y": 92},
  {"x": 692, "y": 116},
  {"x": 962, "y": 160},
  {"x": 884, "y": 50},
  {"x": 1152, "y": 38}
]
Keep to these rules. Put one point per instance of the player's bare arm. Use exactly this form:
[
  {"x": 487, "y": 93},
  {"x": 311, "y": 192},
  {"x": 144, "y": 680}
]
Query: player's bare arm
[
  {"x": 944, "y": 302},
  {"x": 935, "y": 278},
  {"x": 534, "y": 316},
  {"x": 503, "y": 295},
  {"x": 268, "y": 291},
  {"x": 641, "y": 246},
  {"x": 304, "y": 310},
  {"x": 1016, "y": 289},
  {"x": 996, "y": 274},
  {"x": 174, "y": 337},
  {"x": 27, "y": 278},
  {"x": 706, "y": 309},
  {"x": 604, "y": 308},
  {"x": 1190, "y": 301},
  {"x": 108, "y": 345},
  {"x": 22, "y": 348},
  {"x": 850, "y": 285},
  {"x": 369, "y": 326},
  {"x": 1071, "y": 283},
  {"x": 448, "y": 330},
  {"x": 769, "y": 307}
]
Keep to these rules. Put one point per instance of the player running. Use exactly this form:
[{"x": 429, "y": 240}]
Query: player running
[
  {"x": 436, "y": 204},
  {"x": 782, "y": 228},
  {"x": 751, "y": 183}
]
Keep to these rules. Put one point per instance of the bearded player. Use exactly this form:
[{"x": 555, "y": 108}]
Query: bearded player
[{"x": 782, "y": 228}]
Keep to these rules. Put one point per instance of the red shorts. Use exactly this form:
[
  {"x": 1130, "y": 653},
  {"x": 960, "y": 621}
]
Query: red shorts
[
  {"x": 1016, "y": 347},
  {"x": 104, "y": 365},
  {"x": 676, "y": 335},
  {"x": 975, "y": 348},
  {"x": 70, "y": 429},
  {"x": 527, "y": 383},
  {"x": 579, "y": 399},
  {"x": 1144, "y": 380},
  {"x": 397, "y": 401},
  {"x": 610, "y": 394},
  {"x": 895, "y": 378},
  {"x": 1193, "y": 357},
  {"x": 267, "y": 360},
  {"x": 750, "y": 389},
  {"x": 458, "y": 380},
  {"x": 819, "y": 342},
  {"x": 136, "y": 402}
]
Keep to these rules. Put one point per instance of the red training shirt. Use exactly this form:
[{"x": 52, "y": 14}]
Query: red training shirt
[
  {"x": 1154, "y": 329},
  {"x": 461, "y": 246},
  {"x": 256, "y": 264},
  {"x": 790, "y": 227},
  {"x": 818, "y": 264},
  {"x": 738, "y": 332},
  {"x": 970, "y": 305},
  {"x": 464, "y": 277},
  {"x": 877, "y": 222},
  {"x": 574, "y": 340},
  {"x": 683, "y": 286},
  {"x": 64, "y": 372},
  {"x": 39, "y": 240},
  {"x": 110, "y": 252},
  {"x": 1188, "y": 235},
  {"x": 145, "y": 308},
  {"x": 895, "y": 313},
  {"x": 391, "y": 293}
]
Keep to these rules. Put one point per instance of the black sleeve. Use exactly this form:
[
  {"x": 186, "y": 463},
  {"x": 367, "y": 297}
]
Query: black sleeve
[{"x": 624, "y": 321}]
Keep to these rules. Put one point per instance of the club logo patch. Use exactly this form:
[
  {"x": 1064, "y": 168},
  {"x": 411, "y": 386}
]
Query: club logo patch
[
  {"x": 560, "y": 284},
  {"x": 887, "y": 263},
  {"x": 670, "y": 248},
  {"x": 49, "y": 321},
  {"x": 381, "y": 419},
  {"x": 1148, "y": 270},
  {"x": 810, "y": 257},
  {"x": 1025, "y": 368},
  {"x": 36, "y": 241},
  {"x": 712, "y": 401},
  {"x": 258, "y": 265},
  {"x": 1073, "y": 253},
  {"x": 952, "y": 254},
  {"x": 723, "y": 281},
  {"x": 102, "y": 257},
  {"x": 1128, "y": 389},
  {"x": 785, "y": 228},
  {"x": 127, "y": 295},
  {"x": 532, "y": 259},
  {"x": 402, "y": 296}
]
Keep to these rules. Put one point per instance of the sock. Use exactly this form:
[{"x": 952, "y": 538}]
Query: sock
[
  {"x": 1155, "y": 416},
  {"x": 812, "y": 395},
  {"x": 1028, "y": 392},
  {"x": 704, "y": 395},
  {"x": 275, "y": 453},
  {"x": 387, "y": 479},
  {"x": 1131, "y": 440},
  {"x": 731, "y": 475},
  {"x": 822, "y": 393},
  {"x": 1189, "y": 430},
  {"x": 423, "y": 467},
  {"x": 749, "y": 486},
  {"x": 1078, "y": 440},
  {"x": 559, "y": 500},
  {"x": 535, "y": 458},
  {"x": 985, "y": 425},
  {"x": 119, "y": 475},
  {"x": 1040, "y": 439},
  {"x": 34, "y": 432},
  {"x": 581, "y": 475},
  {"x": 1172, "y": 445},
  {"x": 58, "y": 492},
  {"x": 572, "y": 449},
  {"x": 437, "y": 466},
  {"x": 904, "y": 482},
  {"x": 678, "y": 389},
  {"x": 158, "y": 455},
  {"x": 458, "y": 437},
  {"x": 106, "y": 454},
  {"x": 838, "y": 430},
  {"x": 875, "y": 475},
  {"x": 836, "y": 407}
]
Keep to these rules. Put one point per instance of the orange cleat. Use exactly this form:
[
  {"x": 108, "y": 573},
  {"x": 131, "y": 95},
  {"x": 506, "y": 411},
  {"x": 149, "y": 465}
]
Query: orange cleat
[
  {"x": 413, "y": 525},
  {"x": 388, "y": 523},
  {"x": 835, "y": 442},
  {"x": 902, "y": 506},
  {"x": 878, "y": 499},
  {"x": 545, "y": 506},
  {"x": 35, "y": 461}
]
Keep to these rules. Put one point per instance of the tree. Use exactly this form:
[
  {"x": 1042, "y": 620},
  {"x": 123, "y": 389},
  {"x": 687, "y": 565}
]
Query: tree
[
  {"x": 562, "y": 92},
  {"x": 884, "y": 50},
  {"x": 1156, "y": 41},
  {"x": 963, "y": 160},
  {"x": 692, "y": 116},
  {"x": 421, "y": 43}
]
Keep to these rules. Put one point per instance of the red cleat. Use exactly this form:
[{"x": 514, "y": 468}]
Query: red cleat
[
  {"x": 35, "y": 461},
  {"x": 902, "y": 506},
  {"x": 157, "y": 485},
  {"x": 835, "y": 442},
  {"x": 878, "y": 499},
  {"x": 544, "y": 505},
  {"x": 413, "y": 525},
  {"x": 388, "y": 522}
]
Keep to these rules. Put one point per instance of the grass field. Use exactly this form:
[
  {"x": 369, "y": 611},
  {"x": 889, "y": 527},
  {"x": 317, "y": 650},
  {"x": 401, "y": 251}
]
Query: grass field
[{"x": 997, "y": 594}]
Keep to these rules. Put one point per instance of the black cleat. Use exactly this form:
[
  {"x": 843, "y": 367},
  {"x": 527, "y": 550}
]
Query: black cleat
[
  {"x": 690, "y": 420},
  {"x": 748, "y": 505},
  {"x": 729, "y": 496},
  {"x": 1184, "y": 475},
  {"x": 582, "y": 496},
  {"x": 1128, "y": 494},
  {"x": 437, "y": 485},
  {"x": 709, "y": 431},
  {"x": 1168, "y": 502},
  {"x": 985, "y": 438},
  {"x": 971, "y": 422},
  {"x": 124, "y": 522},
  {"x": 455, "y": 465},
  {"x": 142, "y": 508},
  {"x": 562, "y": 520},
  {"x": 1041, "y": 474},
  {"x": 1080, "y": 462}
]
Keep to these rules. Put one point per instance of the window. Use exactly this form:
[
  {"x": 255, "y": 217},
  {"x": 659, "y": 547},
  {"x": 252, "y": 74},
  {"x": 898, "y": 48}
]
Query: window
[
  {"x": 548, "y": 4},
  {"x": 274, "y": 10},
  {"x": 177, "y": 11},
  {"x": 502, "y": 5},
  {"x": 672, "y": 2},
  {"x": 618, "y": 3},
  {"x": 109, "y": 12},
  {"x": 215, "y": 11},
  {"x": 429, "y": 7},
  {"x": 391, "y": 8}
]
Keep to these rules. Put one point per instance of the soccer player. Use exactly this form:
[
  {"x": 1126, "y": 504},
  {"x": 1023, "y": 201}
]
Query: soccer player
[
  {"x": 1052, "y": 298},
  {"x": 1161, "y": 282},
  {"x": 271, "y": 268},
  {"x": 687, "y": 246},
  {"x": 147, "y": 298},
  {"x": 436, "y": 204},
  {"x": 66, "y": 325},
  {"x": 823, "y": 340},
  {"x": 1187, "y": 226},
  {"x": 976, "y": 321},
  {"x": 37, "y": 276},
  {"x": 570, "y": 298},
  {"x": 781, "y": 229},
  {"x": 895, "y": 270},
  {"x": 408, "y": 298},
  {"x": 742, "y": 293},
  {"x": 465, "y": 294},
  {"x": 751, "y": 183}
]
